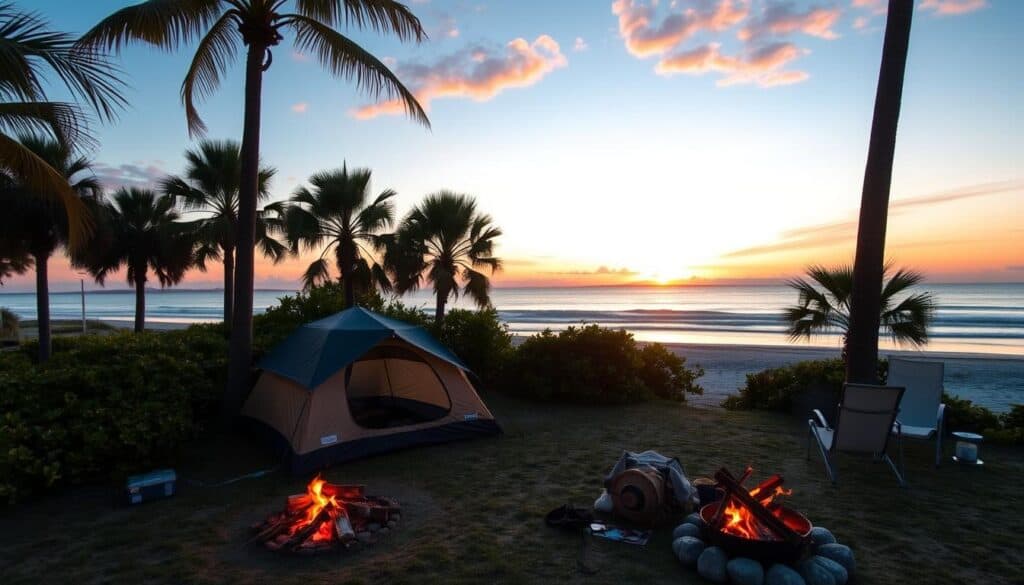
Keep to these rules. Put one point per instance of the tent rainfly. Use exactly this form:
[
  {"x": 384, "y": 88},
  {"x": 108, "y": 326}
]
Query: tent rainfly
[{"x": 357, "y": 383}]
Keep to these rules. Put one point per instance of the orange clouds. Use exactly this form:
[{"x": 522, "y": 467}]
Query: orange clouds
[
  {"x": 951, "y": 7},
  {"x": 781, "y": 19},
  {"x": 765, "y": 52},
  {"x": 762, "y": 66},
  {"x": 476, "y": 72},
  {"x": 644, "y": 39}
]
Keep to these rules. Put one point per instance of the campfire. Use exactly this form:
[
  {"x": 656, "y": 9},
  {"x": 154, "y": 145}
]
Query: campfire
[
  {"x": 328, "y": 517},
  {"x": 751, "y": 522}
]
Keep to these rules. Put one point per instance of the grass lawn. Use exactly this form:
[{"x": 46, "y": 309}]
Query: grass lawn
[{"x": 473, "y": 510}]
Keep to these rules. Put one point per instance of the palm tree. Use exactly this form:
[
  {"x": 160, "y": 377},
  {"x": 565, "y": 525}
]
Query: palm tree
[
  {"x": 337, "y": 213},
  {"x": 210, "y": 185},
  {"x": 445, "y": 240},
  {"x": 33, "y": 224},
  {"x": 823, "y": 305},
  {"x": 27, "y": 44},
  {"x": 258, "y": 25},
  {"x": 138, "y": 229},
  {"x": 869, "y": 263}
]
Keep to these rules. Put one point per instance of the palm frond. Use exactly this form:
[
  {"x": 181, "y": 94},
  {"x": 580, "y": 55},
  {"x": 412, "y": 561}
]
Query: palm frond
[
  {"x": 166, "y": 24},
  {"x": 478, "y": 287},
  {"x": 60, "y": 120},
  {"x": 317, "y": 272},
  {"x": 384, "y": 16},
  {"x": 346, "y": 59},
  {"x": 213, "y": 56}
]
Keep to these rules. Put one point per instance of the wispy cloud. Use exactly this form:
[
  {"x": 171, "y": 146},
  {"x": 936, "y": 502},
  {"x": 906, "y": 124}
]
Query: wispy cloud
[
  {"x": 644, "y": 37},
  {"x": 299, "y": 56},
  {"x": 599, "y": 271},
  {"x": 476, "y": 72},
  {"x": 873, "y": 8},
  {"x": 300, "y": 108},
  {"x": 763, "y": 66},
  {"x": 783, "y": 19},
  {"x": 827, "y": 234},
  {"x": 129, "y": 175},
  {"x": 446, "y": 27},
  {"x": 952, "y": 7},
  {"x": 580, "y": 45}
]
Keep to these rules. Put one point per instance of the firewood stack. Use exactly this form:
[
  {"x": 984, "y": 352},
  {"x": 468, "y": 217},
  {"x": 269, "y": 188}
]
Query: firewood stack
[{"x": 328, "y": 517}]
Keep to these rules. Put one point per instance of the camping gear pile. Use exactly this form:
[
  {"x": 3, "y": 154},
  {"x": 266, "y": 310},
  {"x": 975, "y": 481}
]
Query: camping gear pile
[
  {"x": 647, "y": 489},
  {"x": 328, "y": 517},
  {"x": 746, "y": 536},
  {"x": 356, "y": 384}
]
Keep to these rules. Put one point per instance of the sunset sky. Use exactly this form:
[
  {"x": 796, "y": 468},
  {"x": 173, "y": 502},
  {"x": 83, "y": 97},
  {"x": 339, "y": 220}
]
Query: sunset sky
[{"x": 633, "y": 141}]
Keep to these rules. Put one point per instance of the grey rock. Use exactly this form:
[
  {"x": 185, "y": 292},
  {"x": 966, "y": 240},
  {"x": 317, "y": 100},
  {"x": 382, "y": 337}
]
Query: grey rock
[
  {"x": 711, "y": 565},
  {"x": 838, "y": 571},
  {"x": 686, "y": 529},
  {"x": 694, "y": 519},
  {"x": 820, "y": 536},
  {"x": 779, "y": 574},
  {"x": 839, "y": 553},
  {"x": 815, "y": 574},
  {"x": 688, "y": 549},
  {"x": 745, "y": 572}
]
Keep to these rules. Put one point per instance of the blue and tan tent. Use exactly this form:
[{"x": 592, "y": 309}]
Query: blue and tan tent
[{"x": 358, "y": 383}]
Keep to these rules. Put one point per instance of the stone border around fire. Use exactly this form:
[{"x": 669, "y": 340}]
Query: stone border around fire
[{"x": 830, "y": 563}]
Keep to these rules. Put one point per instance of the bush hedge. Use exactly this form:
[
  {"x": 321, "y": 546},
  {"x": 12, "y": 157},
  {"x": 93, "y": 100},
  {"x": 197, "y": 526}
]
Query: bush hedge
[
  {"x": 104, "y": 406},
  {"x": 594, "y": 365},
  {"x": 777, "y": 388}
]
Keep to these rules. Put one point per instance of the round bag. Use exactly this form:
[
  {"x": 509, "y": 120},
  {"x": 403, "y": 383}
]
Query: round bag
[{"x": 639, "y": 495}]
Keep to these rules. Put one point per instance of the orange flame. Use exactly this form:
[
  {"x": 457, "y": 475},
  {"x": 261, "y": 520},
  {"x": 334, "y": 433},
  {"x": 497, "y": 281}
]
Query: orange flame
[
  {"x": 741, "y": 522},
  {"x": 320, "y": 501}
]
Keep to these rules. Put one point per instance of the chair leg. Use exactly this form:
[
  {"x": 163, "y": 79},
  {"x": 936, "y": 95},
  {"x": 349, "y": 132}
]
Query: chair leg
[
  {"x": 938, "y": 447},
  {"x": 897, "y": 470},
  {"x": 829, "y": 470}
]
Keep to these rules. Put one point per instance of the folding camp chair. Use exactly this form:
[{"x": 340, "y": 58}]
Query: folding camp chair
[
  {"x": 921, "y": 410},
  {"x": 866, "y": 416}
]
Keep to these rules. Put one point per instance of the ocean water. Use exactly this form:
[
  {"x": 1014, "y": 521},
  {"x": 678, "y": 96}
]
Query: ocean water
[
  {"x": 977, "y": 318},
  {"x": 971, "y": 319}
]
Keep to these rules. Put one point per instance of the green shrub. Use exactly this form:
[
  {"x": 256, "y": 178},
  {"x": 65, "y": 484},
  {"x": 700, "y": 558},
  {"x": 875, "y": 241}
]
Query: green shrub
[
  {"x": 480, "y": 339},
  {"x": 776, "y": 388},
  {"x": 594, "y": 365},
  {"x": 104, "y": 406}
]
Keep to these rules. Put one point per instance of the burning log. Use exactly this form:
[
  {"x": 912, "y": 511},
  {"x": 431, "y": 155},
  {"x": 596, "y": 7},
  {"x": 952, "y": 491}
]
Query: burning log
[
  {"x": 326, "y": 517},
  {"x": 754, "y": 506}
]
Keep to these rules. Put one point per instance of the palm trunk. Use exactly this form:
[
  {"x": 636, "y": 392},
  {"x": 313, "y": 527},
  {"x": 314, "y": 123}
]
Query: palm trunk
[
  {"x": 865, "y": 298},
  {"x": 43, "y": 305},
  {"x": 140, "y": 300},
  {"x": 442, "y": 300},
  {"x": 229, "y": 281},
  {"x": 346, "y": 266},
  {"x": 240, "y": 350}
]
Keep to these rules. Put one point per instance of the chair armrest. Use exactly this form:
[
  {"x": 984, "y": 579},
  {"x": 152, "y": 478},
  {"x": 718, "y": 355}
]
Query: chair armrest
[
  {"x": 821, "y": 422},
  {"x": 940, "y": 418}
]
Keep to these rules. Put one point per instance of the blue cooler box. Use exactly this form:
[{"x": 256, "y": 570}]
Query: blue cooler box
[{"x": 154, "y": 485}]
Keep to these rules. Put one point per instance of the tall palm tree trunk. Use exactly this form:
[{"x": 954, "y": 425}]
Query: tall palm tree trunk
[
  {"x": 240, "y": 351},
  {"x": 140, "y": 300},
  {"x": 346, "y": 267},
  {"x": 442, "y": 300},
  {"x": 229, "y": 281},
  {"x": 43, "y": 305},
  {"x": 865, "y": 298}
]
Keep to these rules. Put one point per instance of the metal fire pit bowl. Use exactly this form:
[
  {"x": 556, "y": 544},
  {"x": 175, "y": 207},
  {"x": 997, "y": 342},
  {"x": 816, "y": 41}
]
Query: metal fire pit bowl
[{"x": 760, "y": 550}]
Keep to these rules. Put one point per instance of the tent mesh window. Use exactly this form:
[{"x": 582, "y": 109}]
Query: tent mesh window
[{"x": 394, "y": 387}]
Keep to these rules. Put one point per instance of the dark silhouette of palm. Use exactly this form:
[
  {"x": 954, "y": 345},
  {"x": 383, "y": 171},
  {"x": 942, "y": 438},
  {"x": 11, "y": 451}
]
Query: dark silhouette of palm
[
  {"x": 37, "y": 228},
  {"x": 337, "y": 212},
  {"x": 29, "y": 48},
  {"x": 210, "y": 186},
  {"x": 221, "y": 28},
  {"x": 138, "y": 229},
  {"x": 823, "y": 305},
  {"x": 445, "y": 241}
]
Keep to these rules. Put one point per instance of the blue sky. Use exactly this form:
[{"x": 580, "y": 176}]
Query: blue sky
[{"x": 640, "y": 141}]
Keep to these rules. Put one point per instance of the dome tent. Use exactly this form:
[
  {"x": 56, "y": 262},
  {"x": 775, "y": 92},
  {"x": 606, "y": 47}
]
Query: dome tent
[{"x": 358, "y": 383}]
